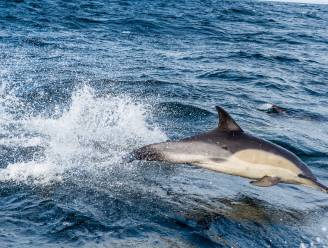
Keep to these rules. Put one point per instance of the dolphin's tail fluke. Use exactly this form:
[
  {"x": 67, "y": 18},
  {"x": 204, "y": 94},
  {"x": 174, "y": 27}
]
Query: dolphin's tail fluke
[
  {"x": 321, "y": 187},
  {"x": 313, "y": 182},
  {"x": 317, "y": 185}
]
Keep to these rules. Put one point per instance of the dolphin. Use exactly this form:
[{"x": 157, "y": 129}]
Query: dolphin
[{"x": 228, "y": 149}]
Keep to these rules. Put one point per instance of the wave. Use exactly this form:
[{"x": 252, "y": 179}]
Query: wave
[
  {"x": 231, "y": 75},
  {"x": 177, "y": 109},
  {"x": 94, "y": 132}
]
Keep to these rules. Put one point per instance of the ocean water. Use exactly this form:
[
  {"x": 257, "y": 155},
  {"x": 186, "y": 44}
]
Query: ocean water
[{"x": 83, "y": 83}]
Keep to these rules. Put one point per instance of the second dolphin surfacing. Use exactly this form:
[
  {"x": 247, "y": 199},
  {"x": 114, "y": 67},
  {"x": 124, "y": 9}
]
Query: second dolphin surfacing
[{"x": 230, "y": 150}]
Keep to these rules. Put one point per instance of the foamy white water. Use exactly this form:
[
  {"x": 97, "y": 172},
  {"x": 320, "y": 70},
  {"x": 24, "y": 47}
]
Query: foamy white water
[{"x": 94, "y": 133}]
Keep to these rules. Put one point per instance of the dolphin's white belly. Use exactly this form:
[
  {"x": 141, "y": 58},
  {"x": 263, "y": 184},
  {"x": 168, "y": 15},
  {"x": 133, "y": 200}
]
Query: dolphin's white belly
[
  {"x": 255, "y": 164},
  {"x": 248, "y": 170},
  {"x": 249, "y": 163}
]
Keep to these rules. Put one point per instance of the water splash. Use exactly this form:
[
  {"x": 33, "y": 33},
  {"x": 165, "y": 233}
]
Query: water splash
[{"x": 95, "y": 133}]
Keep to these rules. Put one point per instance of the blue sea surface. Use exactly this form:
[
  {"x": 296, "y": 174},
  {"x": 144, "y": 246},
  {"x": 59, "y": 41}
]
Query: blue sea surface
[{"x": 83, "y": 83}]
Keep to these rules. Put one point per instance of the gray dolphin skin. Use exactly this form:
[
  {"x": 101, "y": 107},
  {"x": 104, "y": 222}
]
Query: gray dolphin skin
[{"x": 228, "y": 149}]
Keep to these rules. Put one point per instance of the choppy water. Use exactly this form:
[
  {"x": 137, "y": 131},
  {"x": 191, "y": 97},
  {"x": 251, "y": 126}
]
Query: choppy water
[{"x": 85, "y": 82}]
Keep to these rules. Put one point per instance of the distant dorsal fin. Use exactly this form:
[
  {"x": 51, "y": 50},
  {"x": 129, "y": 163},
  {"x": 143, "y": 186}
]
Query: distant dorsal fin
[{"x": 226, "y": 123}]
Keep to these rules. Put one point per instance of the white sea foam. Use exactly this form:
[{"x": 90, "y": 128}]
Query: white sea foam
[
  {"x": 319, "y": 231},
  {"x": 94, "y": 133}
]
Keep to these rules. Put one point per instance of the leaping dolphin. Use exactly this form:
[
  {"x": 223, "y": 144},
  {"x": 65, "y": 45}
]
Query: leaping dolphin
[{"x": 230, "y": 150}]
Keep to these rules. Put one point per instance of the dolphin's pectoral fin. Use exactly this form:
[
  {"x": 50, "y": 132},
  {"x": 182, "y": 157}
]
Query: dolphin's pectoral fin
[{"x": 266, "y": 181}]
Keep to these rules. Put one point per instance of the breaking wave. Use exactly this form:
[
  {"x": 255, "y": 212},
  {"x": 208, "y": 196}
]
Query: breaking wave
[{"x": 93, "y": 134}]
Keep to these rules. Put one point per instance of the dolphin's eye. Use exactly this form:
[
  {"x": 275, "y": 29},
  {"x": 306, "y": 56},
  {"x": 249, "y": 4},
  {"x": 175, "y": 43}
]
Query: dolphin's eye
[{"x": 224, "y": 147}]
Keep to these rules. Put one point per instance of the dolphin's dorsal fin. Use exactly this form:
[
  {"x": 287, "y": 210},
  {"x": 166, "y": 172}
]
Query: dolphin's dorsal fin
[{"x": 226, "y": 123}]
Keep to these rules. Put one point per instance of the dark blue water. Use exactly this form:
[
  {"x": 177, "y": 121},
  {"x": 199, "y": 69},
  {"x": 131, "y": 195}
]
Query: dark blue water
[{"x": 86, "y": 82}]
